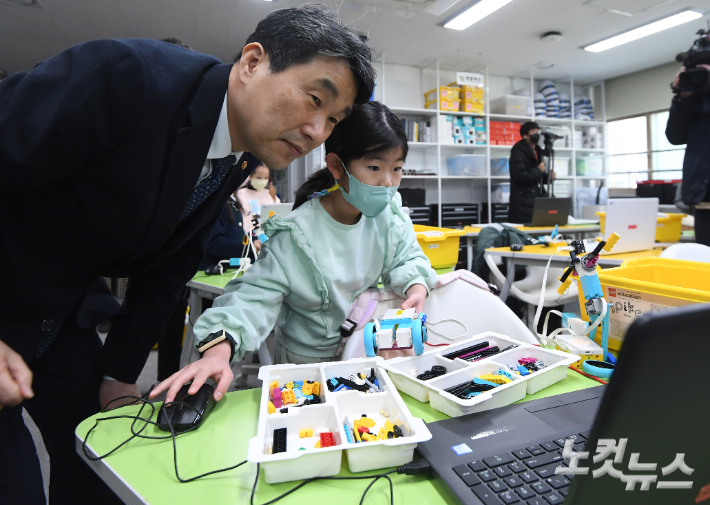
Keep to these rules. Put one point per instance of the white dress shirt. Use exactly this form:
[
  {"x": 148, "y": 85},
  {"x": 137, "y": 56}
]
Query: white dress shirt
[{"x": 221, "y": 145}]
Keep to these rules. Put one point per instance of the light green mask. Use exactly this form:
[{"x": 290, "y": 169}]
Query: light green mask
[{"x": 370, "y": 200}]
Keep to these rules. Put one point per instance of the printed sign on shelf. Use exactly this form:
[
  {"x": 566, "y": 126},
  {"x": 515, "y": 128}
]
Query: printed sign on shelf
[{"x": 469, "y": 79}]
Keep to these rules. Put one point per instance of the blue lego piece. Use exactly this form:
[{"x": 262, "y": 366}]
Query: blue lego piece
[
  {"x": 471, "y": 395},
  {"x": 298, "y": 384},
  {"x": 591, "y": 287},
  {"x": 477, "y": 380},
  {"x": 297, "y": 392},
  {"x": 523, "y": 370},
  {"x": 339, "y": 388}
]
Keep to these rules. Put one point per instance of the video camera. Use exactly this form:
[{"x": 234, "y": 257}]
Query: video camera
[
  {"x": 694, "y": 78},
  {"x": 548, "y": 138}
]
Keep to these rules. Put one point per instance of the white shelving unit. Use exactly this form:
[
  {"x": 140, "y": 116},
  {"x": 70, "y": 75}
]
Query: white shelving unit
[{"x": 401, "y": 92}]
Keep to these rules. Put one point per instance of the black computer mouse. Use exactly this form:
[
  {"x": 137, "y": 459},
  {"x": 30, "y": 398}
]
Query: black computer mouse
[
  {"x": 213, "y": 270},
  {"x": 182, "y": 417},
  {"x": 516, "y": 247}
]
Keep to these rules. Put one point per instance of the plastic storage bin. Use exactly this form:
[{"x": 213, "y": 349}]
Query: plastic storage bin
[
  {"x": 500, "y": 193},
  {"x": 500, "y": 167},
  {"x": 296, "y": 463},
  {"x": 668, "y": 227},
  {"x": 511, "y": 105},
  {"x": 591, "y": 166},
  {"x": 472, "y": 106},
  {"x": 467, "y": 164},
  {"x": 562, "y": 166},
  {"x": 459, "y": 371},
  {"x": 648, "y": 284},
  {"x": 447, "y": 104},
  {"x": 445, "y": 93},
  {"x": 441, "y": 245}
]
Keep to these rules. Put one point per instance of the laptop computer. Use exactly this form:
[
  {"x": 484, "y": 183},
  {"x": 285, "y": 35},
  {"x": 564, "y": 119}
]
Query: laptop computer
[
  {"x": 634, "y": 220},
  {"x": 657, "y": 403},
  {"x": 279, "y": 209},
  {"x": 550, "y": 211}
]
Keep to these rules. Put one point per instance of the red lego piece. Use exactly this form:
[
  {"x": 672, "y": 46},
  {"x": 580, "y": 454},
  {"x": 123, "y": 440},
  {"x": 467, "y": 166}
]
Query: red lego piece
[
  {"x": 327, "y": 439},
  {"x": 363, "y": 429}
]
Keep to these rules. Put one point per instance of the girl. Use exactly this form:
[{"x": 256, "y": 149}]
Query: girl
[
  {"x": 259, "y": 190},
  {"x": 346, "y": 231}
]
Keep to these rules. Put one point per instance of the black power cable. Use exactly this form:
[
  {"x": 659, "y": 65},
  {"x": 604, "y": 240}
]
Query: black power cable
[{"x": 412, "y": 468}]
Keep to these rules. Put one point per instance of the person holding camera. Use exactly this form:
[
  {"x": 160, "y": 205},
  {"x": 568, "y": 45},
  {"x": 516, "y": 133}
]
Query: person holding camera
[
  {"x": 689, "y": 123},
  {"x": 528, "y": 174}
]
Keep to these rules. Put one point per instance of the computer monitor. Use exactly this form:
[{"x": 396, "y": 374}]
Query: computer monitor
[{"x": 551, "y": 211}]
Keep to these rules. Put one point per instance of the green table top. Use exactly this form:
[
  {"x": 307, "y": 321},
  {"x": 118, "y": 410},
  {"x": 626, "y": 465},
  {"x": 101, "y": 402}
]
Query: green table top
[
  {"x": 219, "y": 281},
  {"x": 147, "y": 465}
]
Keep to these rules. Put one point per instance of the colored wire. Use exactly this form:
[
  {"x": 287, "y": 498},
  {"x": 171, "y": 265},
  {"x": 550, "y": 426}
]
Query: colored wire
[
  {"x": 588, "y": 375},
  {"x": 138, "y": 434}
]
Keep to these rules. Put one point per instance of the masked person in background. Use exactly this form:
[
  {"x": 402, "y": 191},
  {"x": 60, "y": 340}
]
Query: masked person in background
[
  {"x": 528, "y": 175},
  {"x": 256, "y": 190},
  {"x": 347, "y": 231}
]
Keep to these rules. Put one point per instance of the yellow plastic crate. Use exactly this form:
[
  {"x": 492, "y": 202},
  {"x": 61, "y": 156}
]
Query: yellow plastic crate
[
  {"x": 474, "y": 106},
  {"x": 445, "y": 93},
  {"x": 441, "y": 245},
  {"x": 648, "y": 284},
  {"x": 469, "y": 92},
  {"x": 668, "y": 229},
  {"x": 449, "y": 104}
]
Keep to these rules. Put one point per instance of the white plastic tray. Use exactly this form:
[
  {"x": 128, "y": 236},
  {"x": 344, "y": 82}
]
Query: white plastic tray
[
  {"x": 296, "y": 464},
  {"x": 460, "y": 371}
]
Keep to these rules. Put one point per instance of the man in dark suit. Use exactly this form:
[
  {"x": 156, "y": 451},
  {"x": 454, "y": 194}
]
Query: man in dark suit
[
  {"x": 134, "y": 146},
  {"x": 527, "y": 174}
]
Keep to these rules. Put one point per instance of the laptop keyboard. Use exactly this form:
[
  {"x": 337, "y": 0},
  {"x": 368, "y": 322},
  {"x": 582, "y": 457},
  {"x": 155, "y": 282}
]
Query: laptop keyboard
[{"x": 525, "y": 476}]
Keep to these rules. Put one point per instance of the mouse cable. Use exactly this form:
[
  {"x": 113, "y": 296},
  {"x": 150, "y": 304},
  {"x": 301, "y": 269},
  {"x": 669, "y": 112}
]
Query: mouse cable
[
  {"x": 420, "y": 466},
  {"x": 138, "y": 434}
]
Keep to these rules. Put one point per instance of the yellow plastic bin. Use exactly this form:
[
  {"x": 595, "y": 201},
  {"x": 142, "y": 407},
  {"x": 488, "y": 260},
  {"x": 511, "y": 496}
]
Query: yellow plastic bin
[
  {"x": 668, "y": 229},
  {"x": 649, "y": 284},
  {"x": 441, "y": 245}
]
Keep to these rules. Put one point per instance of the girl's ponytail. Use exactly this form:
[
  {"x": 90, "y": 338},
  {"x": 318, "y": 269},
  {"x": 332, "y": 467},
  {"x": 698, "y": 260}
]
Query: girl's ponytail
[{"x": 319, "y": 181}]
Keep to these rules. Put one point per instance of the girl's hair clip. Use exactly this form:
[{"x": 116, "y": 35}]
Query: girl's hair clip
[{"x": 324, "y": 192}]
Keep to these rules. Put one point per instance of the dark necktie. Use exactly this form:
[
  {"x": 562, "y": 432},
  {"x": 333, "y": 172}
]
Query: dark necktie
[{"x": 220, "y": 168}]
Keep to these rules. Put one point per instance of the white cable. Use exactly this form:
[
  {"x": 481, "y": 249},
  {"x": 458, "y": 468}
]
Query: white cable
[
  {"x": 538, "y": 312},
  {"x": 429, "y": 325}
]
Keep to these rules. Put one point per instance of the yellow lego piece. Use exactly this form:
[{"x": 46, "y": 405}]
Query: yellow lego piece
[
  {"x": 271, "y": 214},
  {"x": 495, "y": 379},
  {"x": 611, "y": 242},
  {"x": 289, "y": 385},
  {"x": 399, "y": 313},
  {"x": 274, "y": 384},
  {"x": 381, "y": 434},
  {"x": 270, "y": 407},
  {"x": 369, "y": 437},
  {"x": 316, "y": 388},
  {"x": 288, "y": 396},
  {"x": 307, "y": 388},
  {"x": 365, "y": 421},
  {"x": 308, "y": 432},
  {"x": 317, "y": 446},
  {"x": 564, "y": 286}
]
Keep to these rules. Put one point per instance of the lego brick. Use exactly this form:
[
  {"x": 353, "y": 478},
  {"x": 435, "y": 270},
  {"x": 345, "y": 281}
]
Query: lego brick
[
  {"x": 288, "y": 396},
  {"x": 279, "y": 444},
  {"x": 327, "y": 439},
  {"x": 277, "y": 398},
  {"x": 305, "y": 433}
]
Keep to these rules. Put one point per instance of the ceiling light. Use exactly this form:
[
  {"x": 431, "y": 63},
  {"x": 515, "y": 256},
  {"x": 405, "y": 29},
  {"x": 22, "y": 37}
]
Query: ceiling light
[
  {"x": 551, "y": 37},
  {"x": 544, "y": 64},
  {"x": 644, "y": 31},
  {"x": 475, "y": 13}
]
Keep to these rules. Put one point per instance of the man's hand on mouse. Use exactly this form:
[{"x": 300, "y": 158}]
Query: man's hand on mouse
[
  {"x": 214, "y": 364},
  {"x": 111, "y": 389},
  {"x": 15, "y": 377}
]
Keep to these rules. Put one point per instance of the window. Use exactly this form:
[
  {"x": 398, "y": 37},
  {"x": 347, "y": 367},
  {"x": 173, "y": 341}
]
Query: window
[{"x": 639, "y": 150}]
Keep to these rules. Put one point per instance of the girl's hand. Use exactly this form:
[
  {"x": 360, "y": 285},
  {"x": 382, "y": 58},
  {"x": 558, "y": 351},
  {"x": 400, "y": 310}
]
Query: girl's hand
[
  {"x": 257, "y": 245},
  {"x": 416, "y": 295},
  {"x": 214, "y": 364}
]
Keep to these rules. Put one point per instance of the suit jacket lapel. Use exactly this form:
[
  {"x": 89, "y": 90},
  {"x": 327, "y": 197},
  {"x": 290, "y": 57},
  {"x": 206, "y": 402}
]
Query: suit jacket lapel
[{"x": 188, "y": 154}]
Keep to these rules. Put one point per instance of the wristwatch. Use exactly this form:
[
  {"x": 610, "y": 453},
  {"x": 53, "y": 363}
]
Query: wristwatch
[{"x": 215, "y": 338}]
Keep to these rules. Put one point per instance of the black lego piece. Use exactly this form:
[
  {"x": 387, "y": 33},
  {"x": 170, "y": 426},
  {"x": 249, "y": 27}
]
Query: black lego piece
[{"x": 279, "y": 444}]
